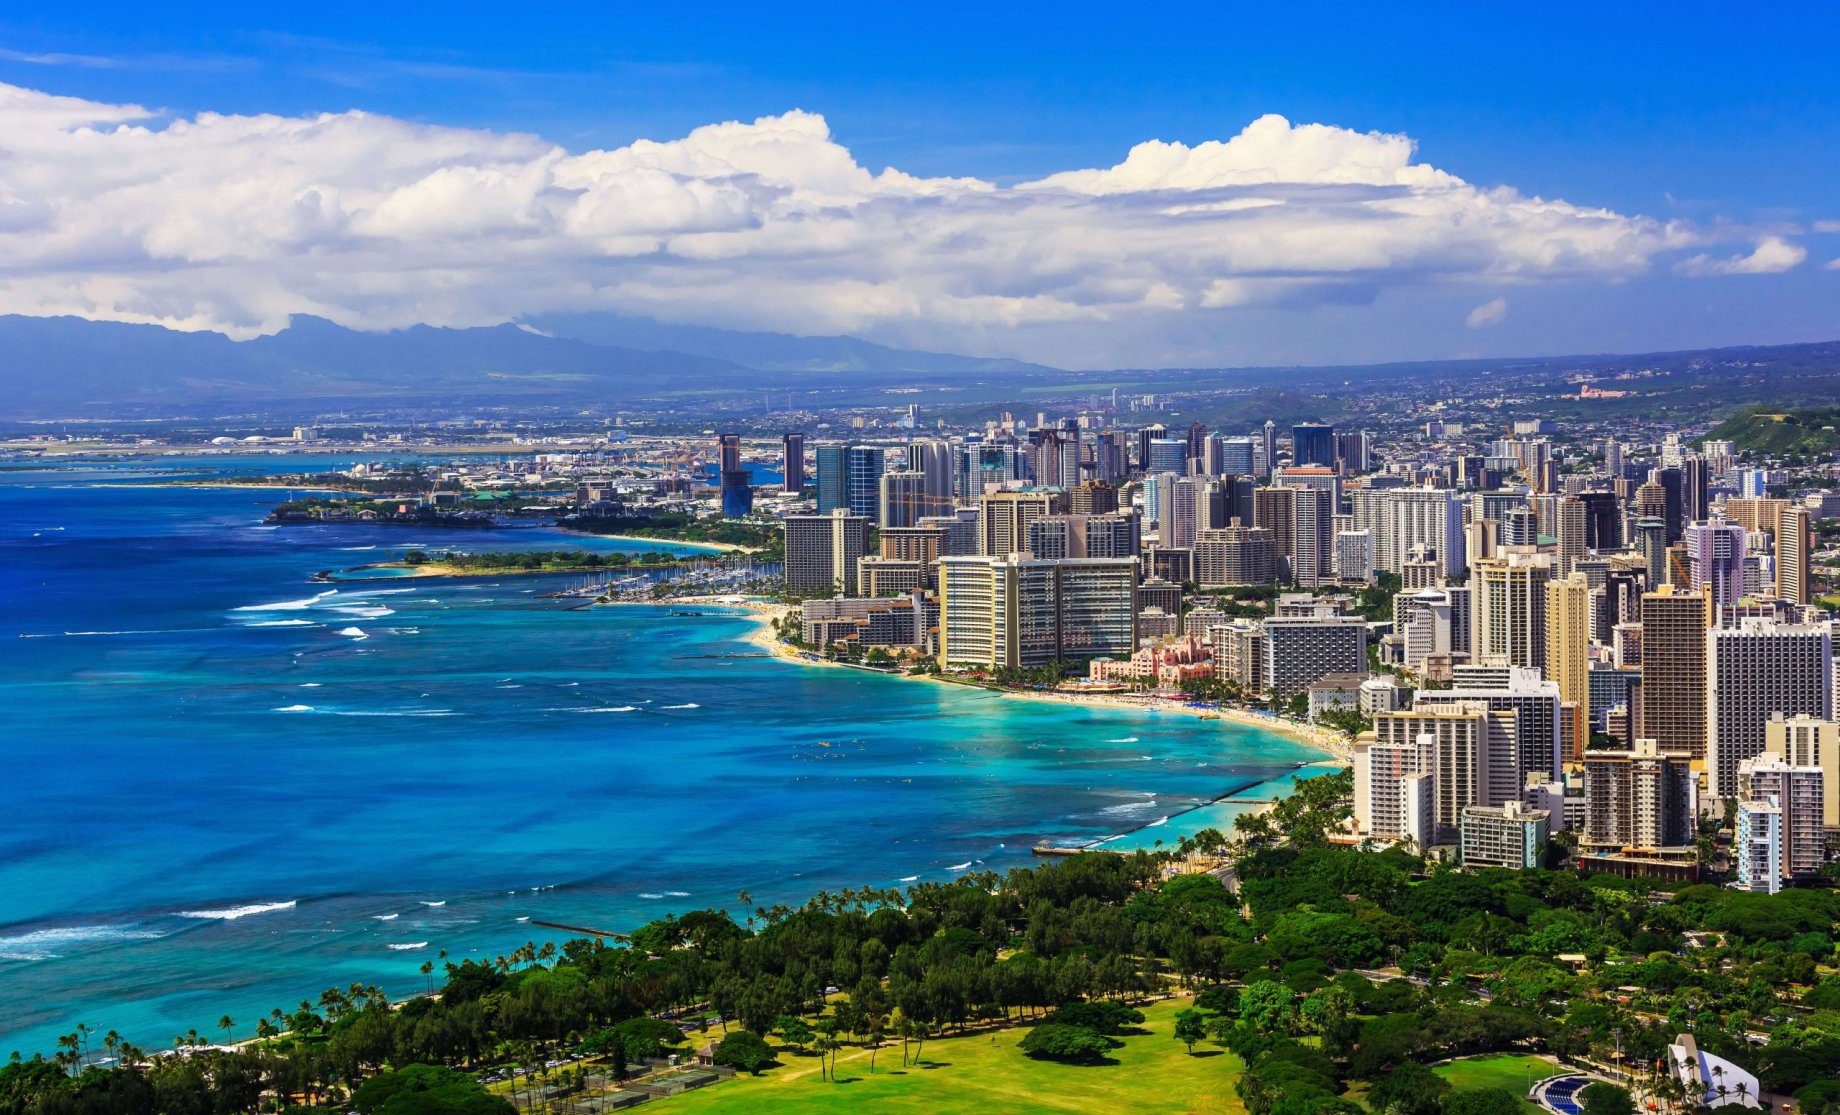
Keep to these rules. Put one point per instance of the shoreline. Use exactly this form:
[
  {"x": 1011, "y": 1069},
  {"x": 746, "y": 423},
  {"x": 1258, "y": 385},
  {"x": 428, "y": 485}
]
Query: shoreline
[
  {"x": 764, "y": 635},
  {"x": 715, "y": 547}
]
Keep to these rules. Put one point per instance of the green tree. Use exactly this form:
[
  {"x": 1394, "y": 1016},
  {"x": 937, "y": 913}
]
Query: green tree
[
  {"x": 1191, "y": 1027},
  {"x": 1606, "y": 1099},
  {"x": 744, "y": 1050},
  {"x": 1057, "y": 1041}
]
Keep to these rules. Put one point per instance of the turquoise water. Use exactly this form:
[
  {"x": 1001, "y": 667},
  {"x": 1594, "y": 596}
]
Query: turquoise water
[{"x": 229, "y": 787}]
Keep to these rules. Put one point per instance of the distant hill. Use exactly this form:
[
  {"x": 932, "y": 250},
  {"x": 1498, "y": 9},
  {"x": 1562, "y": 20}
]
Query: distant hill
[
  {"x": 67, "y": 365},
  {"x": 71, "y": 365},
  {"x": 781, "y": 352},
  {"x": 1773, "y": 430}
]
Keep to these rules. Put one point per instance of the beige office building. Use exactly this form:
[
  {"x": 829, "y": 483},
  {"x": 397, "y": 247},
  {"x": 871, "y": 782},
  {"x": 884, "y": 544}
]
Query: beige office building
[{"x": 1674, "y": 681}]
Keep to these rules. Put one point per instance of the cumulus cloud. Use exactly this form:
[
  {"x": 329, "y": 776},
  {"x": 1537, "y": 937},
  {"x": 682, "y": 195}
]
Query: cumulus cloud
[
  {"x": 1771, "y": 255},
  {"x": 1487, "y": 314},
  {"x": 235, "y": 222}
]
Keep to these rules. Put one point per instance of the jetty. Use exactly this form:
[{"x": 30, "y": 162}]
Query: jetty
[{"x": 583, "y": 930}]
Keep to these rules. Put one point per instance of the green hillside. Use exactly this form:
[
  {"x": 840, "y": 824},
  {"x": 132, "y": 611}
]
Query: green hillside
[{"x": 1767, "y": 430}]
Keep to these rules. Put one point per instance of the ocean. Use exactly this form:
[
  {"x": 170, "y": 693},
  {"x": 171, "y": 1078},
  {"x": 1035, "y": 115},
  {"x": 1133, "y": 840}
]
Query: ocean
[{"x": 230, "y": 787}]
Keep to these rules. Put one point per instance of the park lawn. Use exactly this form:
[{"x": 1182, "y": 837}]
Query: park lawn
[
  {"x": 1513, "y": 1072},
  {"x": 976, "y": 1075}
]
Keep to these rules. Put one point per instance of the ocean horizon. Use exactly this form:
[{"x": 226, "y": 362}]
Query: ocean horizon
[{"x": 233, "y": 786}]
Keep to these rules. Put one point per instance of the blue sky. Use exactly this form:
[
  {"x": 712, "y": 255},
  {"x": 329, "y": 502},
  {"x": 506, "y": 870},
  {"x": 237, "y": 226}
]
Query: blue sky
[{"x": 1723, "y": 120}]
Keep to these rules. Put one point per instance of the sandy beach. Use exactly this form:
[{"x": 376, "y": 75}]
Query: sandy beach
[{"x": 765, "y": 636}]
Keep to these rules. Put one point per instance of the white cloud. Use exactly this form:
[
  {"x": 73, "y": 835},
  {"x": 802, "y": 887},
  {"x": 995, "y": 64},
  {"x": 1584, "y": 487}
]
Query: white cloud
[
  {"x": 1772, "y": 254},
  {"x": 1487, "y": 314},
  {"x": 1827, "y": 226},
  {"x": 236, "y": 222}
]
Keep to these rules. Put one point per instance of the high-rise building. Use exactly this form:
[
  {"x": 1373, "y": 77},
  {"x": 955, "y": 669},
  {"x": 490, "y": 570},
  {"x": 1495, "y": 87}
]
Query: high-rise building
[
  {"x": 1354, "y": 556},
  {"x": 1197, "y": 447},
  {"x": 1111, "y": 456},
  {"x": 1004, "y": 518},
  {"x": 849, "y": 477},
  {"x": 923, "y": 544},
  {"x": 1798, "y": 793},
  {"x": 1756, "y": 670},
  {"x": 1275, "y": 509},
  {"x": 1268, "y": 444},
  {"x": 1638, "y": 802},
  {"x": 1301, "y": 650},
  {"x": 1603, "y": 521},
  {"x": 1539, "y": 721},
  {"x": 961, "y": 530},
  {"x": 1154, "y": 432},
  {"x": 737, "y": 493},
  {"x": 1167, "y": 454},
  {"x": 822, "y": 551},
  {"x": 1313, "y": 560},
  {"x": 1510, "y": 614},
  {"x": 904, "y": 499},
  {"x": 1674, "y": 625},
  {"x": 1354, "y": 453},
  {"x": 1651, "y": 543},
  {"x": 1401, "y": 518},
  {"x": 1014, "y": 612},
  {"x": 985, "y": 466},
  {"x": 1467, "y": 750},
  {"x": 1568, "y": 530},
  {"x": 933, "y": 459},
  {"x": 1232, "y": 456},
  {"x": 1235, "y": 555},
  {"x": 1793, "y": 556},
  {"x": 1568, "y": 654},
  {"x": 792, "y": 467},
  {"x": 1313, "y": 443},
  {"x": 1807, "y": 741},
  {"x": 1395, "y": 795},
  {"x": 1756, "y": 515},
  {"x": 1758, "y": 838},
  {"x": 1715, "y": 558},
  {"x": 1093, "y": 497}
]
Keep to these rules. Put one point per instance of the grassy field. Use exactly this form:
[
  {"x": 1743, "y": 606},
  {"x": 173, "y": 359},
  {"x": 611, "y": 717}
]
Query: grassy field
[
  {"x": 1501, "y": 1070},
  {"x": 984, "y": 1073}
]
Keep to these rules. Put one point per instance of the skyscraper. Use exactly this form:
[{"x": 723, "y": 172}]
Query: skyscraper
[
  {"x": 1018, "y": 612},
  {"x": 1004, "y": 518},
  {"x": 1167, "y": 455},
  {"x": 1715, "y": 557},
  {"x": 1757, "y": 670},
  {"x": 849, "y": 477},
  {"x": 792, "y": 467},
  {"x": 932, "y": 458},
  {"x": 1510, "y": 614},
  {"x": 1674, "y": 625},
  {"x": 1793, "y": 556},
  {"x": 1313, "y": 443},
  {"x": 1568, "y": 654},
  {"x": 822, "y": 551},
  {"x": 1314, "y": 534},
  {"x": 1638, "y": 801},
  {"x": 904, "y": 499}
]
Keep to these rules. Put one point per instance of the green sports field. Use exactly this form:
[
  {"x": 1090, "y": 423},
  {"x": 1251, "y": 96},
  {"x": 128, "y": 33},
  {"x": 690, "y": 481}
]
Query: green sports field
[{"x": 985, "y": 1074}]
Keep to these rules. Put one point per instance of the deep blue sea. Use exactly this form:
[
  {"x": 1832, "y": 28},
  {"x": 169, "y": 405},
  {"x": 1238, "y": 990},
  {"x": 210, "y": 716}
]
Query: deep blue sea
[{"x": 228, "y": 787}]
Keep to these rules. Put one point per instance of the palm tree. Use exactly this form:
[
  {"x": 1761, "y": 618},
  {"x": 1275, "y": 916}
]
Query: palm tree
[
  {"x": 111, "y": 1041},
  {"x": 428, "y": 971},
  {"x": 228, "y": 1026}
]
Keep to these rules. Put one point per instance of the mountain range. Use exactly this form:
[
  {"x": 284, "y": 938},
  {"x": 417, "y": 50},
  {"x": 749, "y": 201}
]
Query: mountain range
[{"x": 73, "y": 366}]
